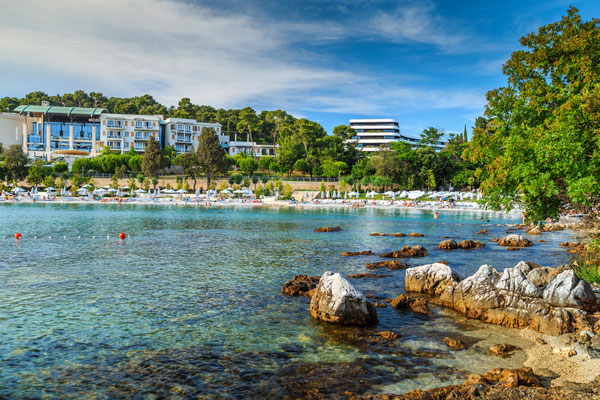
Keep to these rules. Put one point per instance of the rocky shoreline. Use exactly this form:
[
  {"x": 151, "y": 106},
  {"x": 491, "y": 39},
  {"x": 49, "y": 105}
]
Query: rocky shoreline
[{"x": 552, "y": 307}]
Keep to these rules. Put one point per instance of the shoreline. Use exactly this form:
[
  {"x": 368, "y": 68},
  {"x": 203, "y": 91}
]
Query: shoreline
[{"x": 270, "y": 203}]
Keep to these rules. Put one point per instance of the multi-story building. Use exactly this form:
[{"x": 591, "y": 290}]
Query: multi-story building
[
  {"x": 12, "y": 126},
  {"x": 183, "y": 134},
  {"x": 371, "y": 134},
  {"x": 121, "y": 132},
  {"x": 51, "y": 132}
]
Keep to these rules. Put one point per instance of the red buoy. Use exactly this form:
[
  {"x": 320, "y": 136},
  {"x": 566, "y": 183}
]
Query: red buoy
[
  {"x": 122, "y": 236},
  {"x": 18, "y": 236}
]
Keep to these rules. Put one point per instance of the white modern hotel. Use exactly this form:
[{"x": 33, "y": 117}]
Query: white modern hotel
[{"x": 372, "y": 133}]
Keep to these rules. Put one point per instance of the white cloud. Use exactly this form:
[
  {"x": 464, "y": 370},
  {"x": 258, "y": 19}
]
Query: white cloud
[
  {"x": 168, "y": 49},
  {"x": 175, "y": 49}
]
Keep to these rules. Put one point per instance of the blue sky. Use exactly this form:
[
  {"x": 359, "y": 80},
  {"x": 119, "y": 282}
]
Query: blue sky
[{"x": 425, "y": 63}]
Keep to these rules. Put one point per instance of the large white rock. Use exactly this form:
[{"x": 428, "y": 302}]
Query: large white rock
[
  {"x": 567, "y": 290},
  {"x": 513, "y": 280},
  {"x": 336, "y": 301},
  {"x": 431, "y": 278}
]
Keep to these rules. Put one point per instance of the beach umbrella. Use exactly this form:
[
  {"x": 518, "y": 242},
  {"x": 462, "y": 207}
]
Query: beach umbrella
[
  {"x": 50, "y": 189},
  {"x": 106, "y": 187},
  {"x": 112, "y": 190},
  {"x": 118, "y": 194},
  {"x": 345, "y": 195},
  {"x": 140, "y": 191},
  {"x": 18, "y": 189},
  {"x": 82, "y": 191},
  {"x": 182, "y": 191},
  {"x": 328, "y": 195},
  {"x": 158, "y": 192}
]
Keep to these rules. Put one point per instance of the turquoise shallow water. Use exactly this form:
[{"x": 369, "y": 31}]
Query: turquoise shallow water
[{"x": 190, "y": 304}]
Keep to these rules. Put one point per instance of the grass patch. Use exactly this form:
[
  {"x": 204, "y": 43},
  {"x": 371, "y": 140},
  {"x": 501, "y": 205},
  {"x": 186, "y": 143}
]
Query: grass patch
[{"x": 588, "y": 271}]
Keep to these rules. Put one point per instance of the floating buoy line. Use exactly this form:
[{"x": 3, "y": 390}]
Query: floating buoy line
[{"x": 18, "y": 237}]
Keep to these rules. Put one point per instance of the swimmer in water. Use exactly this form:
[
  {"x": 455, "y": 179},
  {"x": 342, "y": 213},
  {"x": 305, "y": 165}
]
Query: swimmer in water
[{"x": 435, "y": 215}]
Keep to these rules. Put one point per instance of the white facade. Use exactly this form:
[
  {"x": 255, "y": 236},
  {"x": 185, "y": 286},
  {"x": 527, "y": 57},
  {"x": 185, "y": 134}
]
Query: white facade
[
  {"x": 120, "y": 132},
  {"x": 372, "y": 133},
  {"x": 12, "y": 126},
  {"x": 257, "y": 150},
  {"x": 183, "y": 134}
]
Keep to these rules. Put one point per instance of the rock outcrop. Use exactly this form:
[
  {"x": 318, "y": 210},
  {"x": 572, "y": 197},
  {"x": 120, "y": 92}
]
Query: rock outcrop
[
  {"x": 416, "y": 305},
  {"x": 328, "y": 229},
  {"x": 301, "y": 285},
  {"x": 397, "y": 234},
  {"x": 510, "y": 298},
  {"x": 567, "y": 290},
  {"x": 514, "y": 241},
  {"x": 415, "y": 234},
  {"x": 470, "y": 244},
  {"x": 502, "y": 349},
  {"x": 356, "y": 253},
  {"x": 407, "y": 251},
  {"x": 431, "y": 278},
  {"x": 448, "y": 245},
  {"x": 389, "y": 264},
  {"x": 336, "y": 301}
]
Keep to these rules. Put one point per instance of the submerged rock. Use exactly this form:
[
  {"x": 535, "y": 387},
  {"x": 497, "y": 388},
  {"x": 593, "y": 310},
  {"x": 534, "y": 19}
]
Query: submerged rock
[
  {"x": 390, "y": 264},
  {"x": 356, "y": 253},
  {"x": 415, "y": 234},
  {"x": 301, "y": 285},
  {"x": 515, "y": 241},
  {"x": 336, "y": 301},
  {"x": 502, "y": 349},
  {"x": 367, "y": 275},
  {"x": 416, "y": 305},
  {"x": 454, "y": 343},
  {"x": 328, "y": 229},
  {"x": 407, "y": 251},
  {"x": 470, "y": 244},
  {"x": 397, "y": 234}
]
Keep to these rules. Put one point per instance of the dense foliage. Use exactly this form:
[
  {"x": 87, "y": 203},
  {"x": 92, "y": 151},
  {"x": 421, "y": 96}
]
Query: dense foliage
[{"x": 539, "y": 143}]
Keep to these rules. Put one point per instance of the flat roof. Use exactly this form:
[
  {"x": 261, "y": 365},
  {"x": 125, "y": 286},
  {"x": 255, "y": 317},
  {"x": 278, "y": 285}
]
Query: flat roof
[
  {"x": 373, "y": 120},
  {"x": 64, "y": 111}
]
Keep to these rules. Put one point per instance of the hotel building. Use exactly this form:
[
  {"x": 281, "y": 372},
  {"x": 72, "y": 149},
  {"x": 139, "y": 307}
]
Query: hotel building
[
  {"x": 120, "y": 132},
  {"x": 183, "y": 134},
  {"x": 51, "y": 132},
  {"x": 372, "y": 133}
]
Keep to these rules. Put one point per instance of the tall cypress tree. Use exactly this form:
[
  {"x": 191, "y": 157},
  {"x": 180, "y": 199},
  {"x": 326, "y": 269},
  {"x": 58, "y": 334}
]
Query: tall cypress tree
[
  {"x": 153, "y": 162},
  {"x": 465, "y": 139},
  {"x": 211, "y": 155}
]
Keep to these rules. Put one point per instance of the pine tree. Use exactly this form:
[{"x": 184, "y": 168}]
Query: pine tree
[
  {"x": 153, "y": 162},
  {"x": 465, "y": 138}
]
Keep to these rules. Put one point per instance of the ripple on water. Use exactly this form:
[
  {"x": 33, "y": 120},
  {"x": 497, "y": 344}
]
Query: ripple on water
[{"x": 190, "y": 303}]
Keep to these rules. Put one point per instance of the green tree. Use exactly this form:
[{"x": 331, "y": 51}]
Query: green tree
[
  {"x": 60, "y": 167},
  {"x": 188, "y": 162},
  {"x": 15, "y": 163},
  {"x": 431, "y": 136},
  {"x": 153, "y": 160},
  {"x": 248, "y": 122},
  {"x": 344, "y": 131},
  {"x": 539, "y": 146},
  {"x": 211, "y": 156},
  {"x": 37, "y": 172},
  {"x": 248, "y": 165},
  {"x": 302, "y": 166}
]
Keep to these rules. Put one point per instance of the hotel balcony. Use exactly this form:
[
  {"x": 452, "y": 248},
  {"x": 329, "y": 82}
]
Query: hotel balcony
[
  {"x": 145, "y": 127},
  {"x": 142, "y": 137},
  {"x": 184, "y": 139},
  {"x": 114, "y": 135}
]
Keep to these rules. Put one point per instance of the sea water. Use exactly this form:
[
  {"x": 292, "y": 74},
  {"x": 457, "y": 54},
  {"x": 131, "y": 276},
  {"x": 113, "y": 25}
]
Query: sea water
[{"x": 190, "y": 304}]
